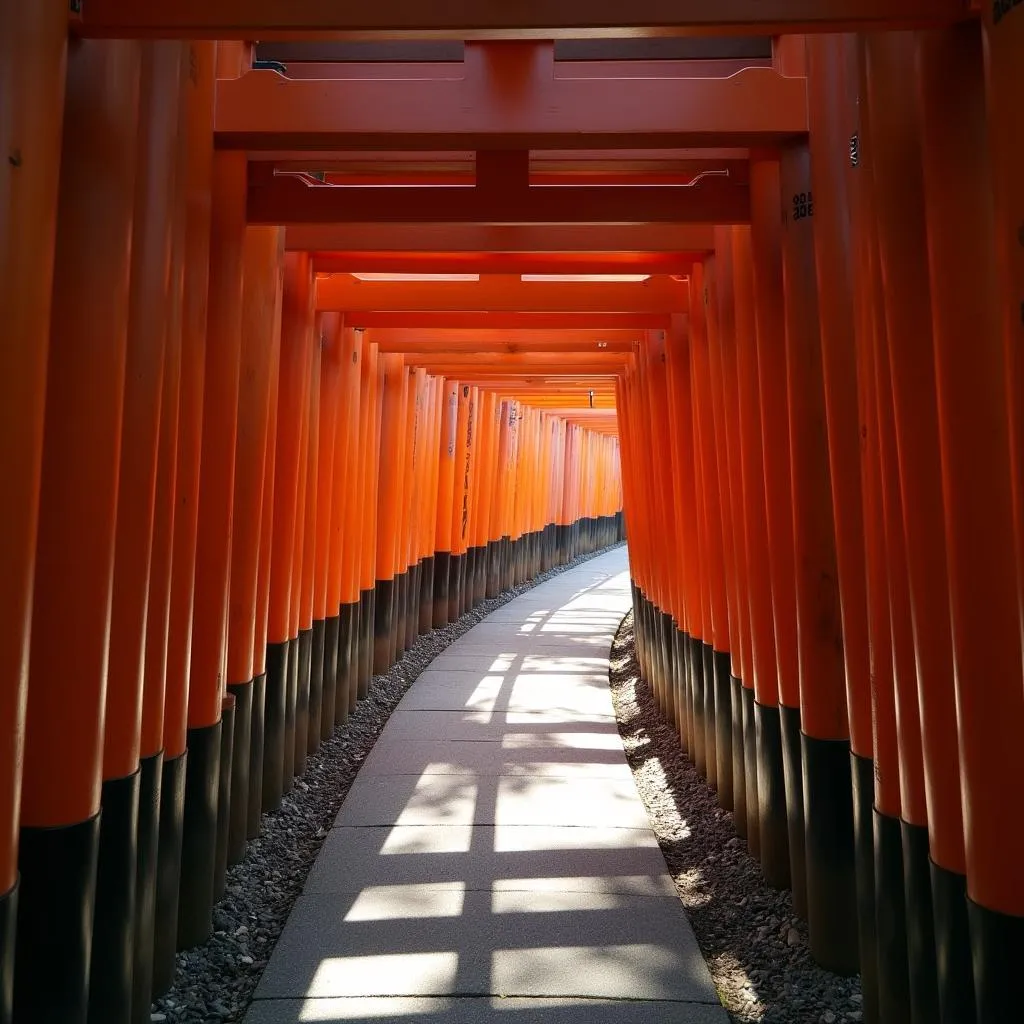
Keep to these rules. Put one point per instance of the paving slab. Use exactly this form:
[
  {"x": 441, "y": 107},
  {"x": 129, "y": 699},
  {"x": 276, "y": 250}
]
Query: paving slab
[
  {"x": 583, "y": 859},
  {"x": 430, "y": 940},
  {"x": 482, "y": 1010},
  {"x": 492, "y": 860},
  {"x": 460, "y": 757},
  {"x": 487, "y": 800}
]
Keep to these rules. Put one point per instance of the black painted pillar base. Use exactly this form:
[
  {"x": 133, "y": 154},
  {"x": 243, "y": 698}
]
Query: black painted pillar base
[
  {"x": 507, "y": 568},
  {"x": 998, "y": 943},
  {"x": 316, "y": 687},
  {"x": 469, "y": 575},
  {"x": 227, "y": 746},
  {"x": 199, "y": 836},
  {"x": 679, "y": 686},
  {"x": 113, "y": 930},
  {"x": 442, "y": 572},
  {"x": 666, "y": 629},
  {"x": 367, "y": 619},
  {"x": 891, "y": 920},
  {"x": 828, "y": 828},
  {"x": 480, "y": 576},
  {"x": 274, "y": 728},
  {"x": 383, "y": 625},
  {"x": 302, "y": 707},
  {"x": 257, "y": 725},
  {"x": 238, "y": 816},
  {"x": 346, "y": 654},
  {"x": 710, "y": 726},
  {"x": 738, "y": 759},
  {"x": 863, "y": 777},
  {"x": 493, "y": 568},
  {"x": 456, "y": 575},
  {"x": 8, "y": 930},
  {"x": 291, "y": 699},
  {"x": 168, "y": 871},
  {"x": 924, "y": 981},
  {"x": 752, "y": 800},
  {"x": 789, "y": 729},
  {"x": 426, "y": 613},
  {"x": 699, "y": 729},
  {"x": 56, "y": 902},
  {"x": 723, "y": 729},
  {"x": 401, "y": 622},
  {"x": 773, "y": 819},
  {"x": 150, "y": 776},
  {"x": 953, "y": 947},
  {"x": 335, "y": 695}
]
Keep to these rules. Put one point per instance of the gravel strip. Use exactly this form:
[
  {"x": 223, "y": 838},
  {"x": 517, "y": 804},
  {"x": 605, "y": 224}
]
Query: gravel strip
[
  {"x": 754, "y": 945},
  {"x": 214, "y": 982}
]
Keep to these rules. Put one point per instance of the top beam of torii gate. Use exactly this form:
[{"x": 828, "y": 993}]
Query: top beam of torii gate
[{"x": 526, "y": 19}]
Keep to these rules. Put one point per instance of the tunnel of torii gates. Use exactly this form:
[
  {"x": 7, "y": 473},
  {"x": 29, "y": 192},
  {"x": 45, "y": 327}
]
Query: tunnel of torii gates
[{"x": 308, "y": 347}]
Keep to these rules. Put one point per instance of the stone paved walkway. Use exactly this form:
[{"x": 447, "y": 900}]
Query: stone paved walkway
[{"x": 493, "y": 860}]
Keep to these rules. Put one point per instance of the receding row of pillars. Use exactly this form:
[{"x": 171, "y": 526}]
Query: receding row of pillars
[
  {"x": 223, "y": 512},
  {"x": 830, "y": 445}
]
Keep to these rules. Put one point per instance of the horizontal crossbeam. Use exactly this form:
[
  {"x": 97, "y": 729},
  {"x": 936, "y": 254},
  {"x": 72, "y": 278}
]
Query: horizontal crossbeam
[
  {"x": 508, "y": 96},
  {"x": 502, "y": 238},
  {"x": 499, "y": 294},
  {"x": 465, "y": 19}
]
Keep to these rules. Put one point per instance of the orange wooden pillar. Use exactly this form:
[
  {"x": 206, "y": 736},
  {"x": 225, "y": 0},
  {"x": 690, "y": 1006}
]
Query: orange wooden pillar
[
  {"x": 428, "y": 507},
  {"x": 508, "y": 495},
  {"x": 832, "y": 727},
  {"x": 668, "y": 659},
  {"x": 467, "y": 476},
  {"x": 197, "y": 141},
  {"x": 888, "y": 606},
  {"x": 263, "y": 258},
  {"x": 715, "y": 641},
  {"x": 33, "y": 52},
  {"x": 1001, "y": 37},
  {"x": 658, "y": 433},
  {"x": 741, "y": 655},
  {"x": 305, "y": 560},
  {"x": 418, "y": 402},
  {"x": 481, "y": 495},
  {"x": 749, "y": 510},
  {"x": 149, "y": 299},
  {"x": 394, "y": 379},
  {"x": 818, "y": 625},
  {"x": 330, "y": 512},
  {"x": 63, "y": 753},
  {"x": 370, "y": 474},
  {"x": 341, "y": 641},
  {"x": 976, "y": 264},
  {"x": 701, "y": 692},
  {"x": 155, "y": 665},
  {"x": 293, "y": 385},
  {"x": 722, "y": 549},
  {"x": 257, "y": 745},
  {"x": 777, "y": 534},
  {"x": 445, "y": 498},
  {"x": 208, "y": 738},
  {"x": 463, "y": 440},
  {"x": 406, "y": 561}
]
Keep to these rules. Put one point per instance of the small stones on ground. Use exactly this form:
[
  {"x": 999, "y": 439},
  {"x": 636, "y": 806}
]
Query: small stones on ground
[
  {"x": 214, "y": 982},
  {"x": 754, "y": 945}
]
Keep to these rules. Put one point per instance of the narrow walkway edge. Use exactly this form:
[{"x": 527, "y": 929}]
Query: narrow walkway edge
[{"x": 493, "y": 860}]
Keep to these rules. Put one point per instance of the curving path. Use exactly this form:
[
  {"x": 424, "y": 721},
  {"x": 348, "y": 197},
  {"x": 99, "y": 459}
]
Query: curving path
[{"x": 493, "y": 860}]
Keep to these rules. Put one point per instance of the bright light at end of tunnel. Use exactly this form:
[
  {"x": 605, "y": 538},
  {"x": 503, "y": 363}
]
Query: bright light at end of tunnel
[
  {"x": 598, "y": 278},
  {"x": 416, "y": 277}
]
